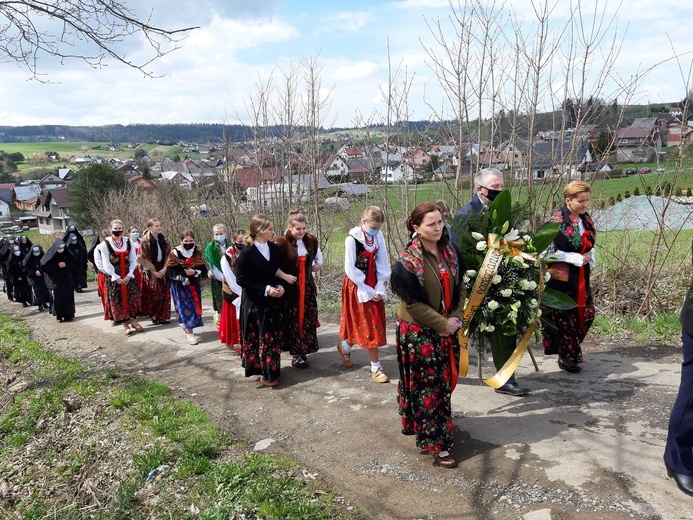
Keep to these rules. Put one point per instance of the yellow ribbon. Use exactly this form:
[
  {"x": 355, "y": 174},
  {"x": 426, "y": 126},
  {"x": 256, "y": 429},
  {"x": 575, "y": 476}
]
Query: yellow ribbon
[{"x": 497, "y": 249}]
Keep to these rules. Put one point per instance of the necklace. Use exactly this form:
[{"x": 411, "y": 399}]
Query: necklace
[
  {"x": 368, "y": 239},
  {"x": 118, "y": 244}
]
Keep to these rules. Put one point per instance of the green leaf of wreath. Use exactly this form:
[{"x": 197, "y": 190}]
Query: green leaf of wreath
[
  {"x": 557, "y": 300},
  {"x": 545, "y": 236}
]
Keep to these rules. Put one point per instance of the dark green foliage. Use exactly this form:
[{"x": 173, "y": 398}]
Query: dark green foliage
[
  {"x": 636, "y": 191},
  {"x": 89, "y": 185}
]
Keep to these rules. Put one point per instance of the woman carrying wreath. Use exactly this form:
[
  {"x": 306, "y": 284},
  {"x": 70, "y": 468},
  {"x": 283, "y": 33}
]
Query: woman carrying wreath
[
  {"x": 572, "y": 252},
  {"x": 427, "y": 278},
  {"x": 301, "y": 257}
]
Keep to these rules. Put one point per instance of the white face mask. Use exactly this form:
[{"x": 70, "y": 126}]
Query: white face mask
[{"x": 17, "y": 253}]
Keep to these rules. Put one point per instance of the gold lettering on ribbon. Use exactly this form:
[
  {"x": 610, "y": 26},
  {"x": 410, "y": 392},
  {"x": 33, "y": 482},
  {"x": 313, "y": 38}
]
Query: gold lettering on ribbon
[{"x": 484, "y": 279}]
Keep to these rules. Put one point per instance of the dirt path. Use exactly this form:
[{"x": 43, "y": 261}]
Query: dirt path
[{"x": 579, "y": 446}]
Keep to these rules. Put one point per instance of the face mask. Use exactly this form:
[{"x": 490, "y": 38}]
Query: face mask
[
  {"x": 239, "y": 245},
  {"x": 117, "y": 233},
  {"x": 17, "y": 253},
  {"x": 220, "y": 238},
  {"x": 492, "y": 194},
  {"x": 36, "y": 253},
  {"x": 134, "y": 235},
  {"x": 372, "y": 232},
  {"x": 73, "y": 240},
  {"x": 188, "y": 246},
  {"x": 61, "y": 249}
]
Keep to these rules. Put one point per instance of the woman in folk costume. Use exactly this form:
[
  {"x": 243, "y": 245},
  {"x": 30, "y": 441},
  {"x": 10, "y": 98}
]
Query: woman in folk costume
[
  {"x": 213, "y": 253},
  {"x": 367, "y": 268},
  {"x": 119, "y": 262},
  {"x": 564, "y": 330},
  {"x": 156, "y": 292},
  {"x": 229, "y": 326},
  {"x": 95, "y": 256},
  {"x": 56, "y": 266},
  {"x": 134, "y": 234},
  {"x": 427, "y": 278},
  {"x": 301, "y": 257},
  {"x": 258, "y": 273},
  {"x": 184, "y": 267},
  {"x": 78, "y": 247},
  {"x": 34, "y": 277},
  {"x": 15, "y": 269}
]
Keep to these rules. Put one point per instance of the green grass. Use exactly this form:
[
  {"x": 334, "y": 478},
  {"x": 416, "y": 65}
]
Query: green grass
[
  {"x": 125, "y": 427},
  {"x": 664, "y": 327}
]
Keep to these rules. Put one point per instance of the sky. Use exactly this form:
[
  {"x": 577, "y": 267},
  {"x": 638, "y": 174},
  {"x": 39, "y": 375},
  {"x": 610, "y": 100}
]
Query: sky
[{"x": 244, "y": 46}]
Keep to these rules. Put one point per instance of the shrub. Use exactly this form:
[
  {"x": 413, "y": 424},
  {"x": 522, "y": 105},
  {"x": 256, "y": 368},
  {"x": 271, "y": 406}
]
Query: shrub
[
  {"x": 611, "y": 201},
  {"x": 636, "y": 191},
  {"x": 626, "y": 195}
]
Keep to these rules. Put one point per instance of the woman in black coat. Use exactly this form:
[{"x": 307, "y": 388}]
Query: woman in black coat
[
  {"x": 56, "y": 266},
  {"x": 15, "y": 270}
]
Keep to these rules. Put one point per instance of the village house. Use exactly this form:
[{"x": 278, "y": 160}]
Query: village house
[
  {"x": 52, "y": 212},
  {"x": 26, "y": 198},
  {"x": 640, "y": 142}
]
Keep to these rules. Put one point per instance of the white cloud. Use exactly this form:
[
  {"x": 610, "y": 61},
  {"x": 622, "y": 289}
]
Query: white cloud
[{"x": 352, "y": 71}]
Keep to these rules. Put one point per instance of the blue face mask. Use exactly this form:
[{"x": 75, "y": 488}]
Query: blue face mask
[
  {"x": 36, "y": 253},
  {"x": 372, "y": 232},
  {"x": 134, "y": 235},
  {"x": 220, "y": 238}
]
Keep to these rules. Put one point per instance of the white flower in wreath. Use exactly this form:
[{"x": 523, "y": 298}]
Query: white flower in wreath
[
  {"x": 512, "y": 235},
  {"x": 478, "y": 236},
  {"x": 523, "y": 284},
  {"x": 481, "y": 245},
  {"x": 527, "y": 238},
  {"x": 533, "y": 303},
  {"x": 531, "y": 285},
  {"x": 506, "y": 293},
  {"x": 539, "y": 313},
  {"x": 466, "y": 279},
  {"x": 497, "y": 279},
  {"x": 471, "y": 273},
  {"x": 492, "y": 305},
  {"x": 490, "y": 328},
  {"x": 547, "y": 276}
]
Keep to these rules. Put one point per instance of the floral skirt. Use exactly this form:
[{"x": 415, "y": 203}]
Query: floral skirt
[
  {"x": 261, "y": 342},
  {"x": 216, "y": 287},
  {"x": 362, "y": 324},
  {"x": 562, "y": 333},
  {"x": 156, "y": 298},
  {"x": 184, "y": 303},
  {"x": 423, "y": 392},
  {"x": 123, "y": 307},
  {"x": 301, "y": 342}
]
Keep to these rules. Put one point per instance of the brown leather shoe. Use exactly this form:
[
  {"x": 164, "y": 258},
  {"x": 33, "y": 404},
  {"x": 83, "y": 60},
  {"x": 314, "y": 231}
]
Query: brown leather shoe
[
  {"x": 444, "y": 462},
  {"x": 380, "y": 377},
  {"x": 272, "y": 383},
  {"x": 346, "y": 358}
]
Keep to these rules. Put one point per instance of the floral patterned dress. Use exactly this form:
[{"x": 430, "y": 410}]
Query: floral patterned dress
[
  {"x": 261, "y": 317},
  {"x": 187, "y": 296},
  {"x": 430, "y": 292},
  {"x": 564, "y": 330}
]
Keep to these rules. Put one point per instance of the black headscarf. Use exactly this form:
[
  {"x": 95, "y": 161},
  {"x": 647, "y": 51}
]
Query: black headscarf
[
  {"x": 52, "y": 255},
  {"x": 72, "y": 230},
  {"x": 32, "y": 262},
  {"x": 26, "y": 246}
]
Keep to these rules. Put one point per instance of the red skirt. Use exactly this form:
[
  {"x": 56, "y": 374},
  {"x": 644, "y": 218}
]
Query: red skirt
[
  {"x": 229, "y": 328},
  {"x": 103, "y": 292},
  {"x": 362, "y": 324}
]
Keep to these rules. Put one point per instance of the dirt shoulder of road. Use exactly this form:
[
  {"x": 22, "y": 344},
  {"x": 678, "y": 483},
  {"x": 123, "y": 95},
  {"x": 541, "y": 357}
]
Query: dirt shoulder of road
[{"x": 585, "y": 445}]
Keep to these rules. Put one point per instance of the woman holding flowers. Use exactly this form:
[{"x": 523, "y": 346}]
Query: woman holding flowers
[
  {"x": 572, "y": 256},
  {"x": 427, "y": 278}
]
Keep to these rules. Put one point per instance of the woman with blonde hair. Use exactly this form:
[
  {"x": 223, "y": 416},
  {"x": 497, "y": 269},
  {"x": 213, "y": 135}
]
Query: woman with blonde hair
[
  {"x": 119, "y": 261},
  {"x": 301, "y": 257},
  {"x": 258, "y": 273},
  {"x": 156, "y": 292},
  {"x": 572, "y": 255},
  {"x": 367, "y": 268}
]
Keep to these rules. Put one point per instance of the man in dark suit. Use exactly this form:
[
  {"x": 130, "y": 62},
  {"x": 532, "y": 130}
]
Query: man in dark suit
[
  {"x": 678, "y": 453},
  {"x": 488, "y": 183}
]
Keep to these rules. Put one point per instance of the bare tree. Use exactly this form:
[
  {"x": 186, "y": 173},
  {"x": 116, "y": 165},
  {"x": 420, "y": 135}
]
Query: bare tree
[{"x": 32, "y": 29}]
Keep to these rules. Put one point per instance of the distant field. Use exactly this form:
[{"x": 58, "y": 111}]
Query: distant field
[{"x": 78, "y": 149}]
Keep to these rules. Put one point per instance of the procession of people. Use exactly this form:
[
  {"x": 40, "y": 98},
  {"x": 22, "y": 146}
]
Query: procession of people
[{"x": 264, "y": 297}]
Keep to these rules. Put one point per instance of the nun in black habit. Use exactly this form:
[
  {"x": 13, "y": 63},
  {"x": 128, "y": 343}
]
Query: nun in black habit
[
  {"x": 25, "y": 244},
  {"x": 78, "y": 247},
  {"x": 56, "y": 265},
  {"x": 15, "y": 270},
  {"x": 5, "y": 253},
  {"x": 35, "y": 278}
]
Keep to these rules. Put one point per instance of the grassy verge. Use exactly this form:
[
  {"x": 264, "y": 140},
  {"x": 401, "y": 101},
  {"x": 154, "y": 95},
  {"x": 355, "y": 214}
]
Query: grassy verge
[
  {"x": 665, "y": 327},
  {"x": 75, "y": 443}
]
